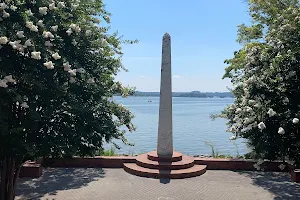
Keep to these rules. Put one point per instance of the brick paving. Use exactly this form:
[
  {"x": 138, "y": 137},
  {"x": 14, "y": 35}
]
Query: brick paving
[{"x": 116, "y": 184}]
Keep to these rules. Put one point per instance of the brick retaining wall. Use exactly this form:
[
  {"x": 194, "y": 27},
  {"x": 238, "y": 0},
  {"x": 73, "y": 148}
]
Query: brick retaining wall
[{"x": 31, "y": 170}]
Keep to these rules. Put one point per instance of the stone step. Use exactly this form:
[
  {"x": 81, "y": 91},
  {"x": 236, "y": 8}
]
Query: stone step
[
  {"x": 137, "y": 170},
  {"x": 143, "y": 161},
  {"x": 177, "y": 156}
]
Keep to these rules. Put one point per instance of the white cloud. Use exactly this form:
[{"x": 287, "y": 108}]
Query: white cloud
[
  {"x": 176, "y": 76},
  {"x": 141, "y": 76}
]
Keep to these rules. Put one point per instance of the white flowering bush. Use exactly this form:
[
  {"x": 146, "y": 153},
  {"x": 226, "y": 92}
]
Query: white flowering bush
[
  {"x": 57, "y": 68},
  {"x": 265, "y": 73}
]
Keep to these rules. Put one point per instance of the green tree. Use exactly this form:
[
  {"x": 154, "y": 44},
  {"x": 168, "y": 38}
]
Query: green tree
[
  {"x": 266, "y": 76},
  {"x": 58, "y": 63}
]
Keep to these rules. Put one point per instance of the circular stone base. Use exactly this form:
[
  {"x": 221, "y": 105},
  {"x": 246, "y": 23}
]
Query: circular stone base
[
  {"x": 152, "y": 166},
  {"x": 154, "y": 156},
  {"x": 185, "y": 163}
]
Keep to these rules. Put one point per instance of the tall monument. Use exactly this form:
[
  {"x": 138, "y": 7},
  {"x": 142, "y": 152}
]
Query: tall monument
[
  {"x": 165, "y": 162},
  {"x": 165, "y": 135}
]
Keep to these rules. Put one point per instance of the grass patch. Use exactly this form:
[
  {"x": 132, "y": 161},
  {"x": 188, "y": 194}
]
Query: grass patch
[
  {"x": 224, "y": 156},
  {"x": 215, "y": 153},
  {"x": 108, "y": 152}
]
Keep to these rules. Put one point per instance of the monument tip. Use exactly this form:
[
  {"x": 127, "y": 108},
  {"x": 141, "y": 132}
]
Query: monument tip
[{"x": 166, "y": 35}]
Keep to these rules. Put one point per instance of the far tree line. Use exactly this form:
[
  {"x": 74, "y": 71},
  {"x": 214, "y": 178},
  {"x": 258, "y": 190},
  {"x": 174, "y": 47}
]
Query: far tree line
[{"x": 197, "y": 94}]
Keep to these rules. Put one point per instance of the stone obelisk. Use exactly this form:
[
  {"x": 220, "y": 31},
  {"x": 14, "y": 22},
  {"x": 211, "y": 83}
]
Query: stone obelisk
[
  {"x": 165, "y": 135},
  {"x": 165, "y": 162}
]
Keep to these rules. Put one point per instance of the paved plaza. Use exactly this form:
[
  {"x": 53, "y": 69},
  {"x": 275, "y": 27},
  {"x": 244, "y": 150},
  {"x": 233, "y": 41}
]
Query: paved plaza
[{"x": 116, "y": 184}]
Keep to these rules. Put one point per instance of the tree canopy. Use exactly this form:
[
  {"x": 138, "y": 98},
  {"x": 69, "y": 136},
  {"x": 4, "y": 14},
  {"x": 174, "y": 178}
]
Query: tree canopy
[
  {"x": 58, "y": 61},
  {"x": 266, "y": 76}
]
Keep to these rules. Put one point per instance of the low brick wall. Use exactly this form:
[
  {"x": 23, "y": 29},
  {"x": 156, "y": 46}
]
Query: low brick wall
[
  {"x": 31, "y": 170},
  {"x": 117, "y": 162},
  {"x": 295, "y": 174},
  {"x": 98, "y": 161},
  {"x": 34, "y": 170}
]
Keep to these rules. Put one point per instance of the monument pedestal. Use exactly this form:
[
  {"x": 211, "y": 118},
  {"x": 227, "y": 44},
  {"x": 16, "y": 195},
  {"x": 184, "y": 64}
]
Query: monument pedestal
[{"x": 152, "y": 166}]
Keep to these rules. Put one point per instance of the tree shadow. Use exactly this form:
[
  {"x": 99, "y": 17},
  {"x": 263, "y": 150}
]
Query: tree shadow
[
  {"x": 55, "y": 179},
  {"x": 278, "y": 183}
]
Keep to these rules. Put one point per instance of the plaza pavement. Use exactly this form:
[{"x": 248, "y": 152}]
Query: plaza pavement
[{"x": 116, "y": 184}]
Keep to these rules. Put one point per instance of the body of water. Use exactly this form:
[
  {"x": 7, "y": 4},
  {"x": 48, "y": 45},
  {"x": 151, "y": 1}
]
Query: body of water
[{"x": 192, "y": 126}]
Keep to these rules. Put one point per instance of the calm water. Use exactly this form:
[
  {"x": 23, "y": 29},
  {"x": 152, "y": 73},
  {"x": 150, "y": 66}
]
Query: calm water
[{"x": 192, "y": 126}]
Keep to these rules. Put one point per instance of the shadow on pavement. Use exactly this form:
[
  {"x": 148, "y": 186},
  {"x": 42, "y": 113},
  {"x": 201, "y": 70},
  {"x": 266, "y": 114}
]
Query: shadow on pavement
[
  {"x": 164, "y": 180},
  {"x": 55, "y": 179},
  {"x": 278, "y": 183}
]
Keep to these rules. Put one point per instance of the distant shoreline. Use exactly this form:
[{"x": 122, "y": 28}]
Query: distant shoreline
[
  {"x": 195, "y": 94},
  {"x": 182, "y": 97}
]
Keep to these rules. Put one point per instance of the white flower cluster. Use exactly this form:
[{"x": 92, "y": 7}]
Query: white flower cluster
[
  {"x": 88, "y": 32},
  {"x": 3, "y": 13},
  {"x": 36, "y": 55},
  {"x": 17, "y": 45},
  {"x": 261, "y": 126},
  {"x": 24, "y": 105},
  {"x": 61, "y": 5},
  {"x": 34, "y": 23},
  {"x": 29, "y": 12},
  {"x": 91, "y": 80},
  {"x": 72, "y": 72},
  {"x": 47, "y": 34},
  {"x": 244, "y": 118},
  {"x": 7, "y": 79},
  {"x": 73, "y": 27},
  {"x": 32, "y": 27},
  {"x": 54, "y": 28},
  {"x": 233, "y": 137},
  {"x": 3, "y": 40},
  {"x": 56, "y": 56},
  {"x": 43, "y": 10},
  {"x": 104, "y": 42},
  {"x": 281, "y": 131},
  {"x": 271, "y": 112},
  {"x": 49, "y": 65},
  {"x": 74, "y": 6}
]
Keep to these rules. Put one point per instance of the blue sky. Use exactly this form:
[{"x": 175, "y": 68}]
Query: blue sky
[{"x": 203, "y": 34}]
